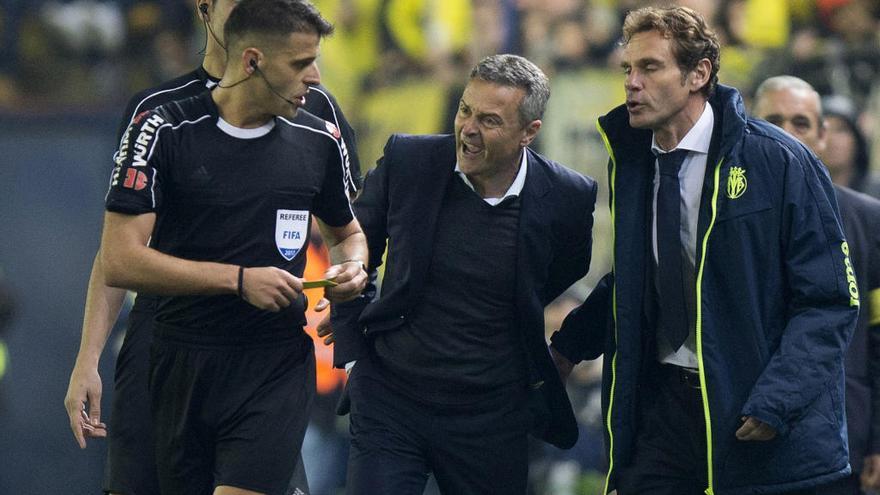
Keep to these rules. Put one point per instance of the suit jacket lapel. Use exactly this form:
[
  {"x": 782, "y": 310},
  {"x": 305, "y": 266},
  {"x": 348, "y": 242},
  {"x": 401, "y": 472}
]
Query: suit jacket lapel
[
  {"x": 531, "y": 220},
  {"x": 532, "y": 241}
]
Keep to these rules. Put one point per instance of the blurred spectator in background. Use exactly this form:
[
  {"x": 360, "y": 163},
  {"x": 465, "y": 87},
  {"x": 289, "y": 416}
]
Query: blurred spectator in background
[
  {"x": 88, "y": 52},
  {"x": 846, "y": 153},
  {"x": 387, "y": 54},
  {"x": 10, "y": 15},
  {"x": 836, "y": 49}
]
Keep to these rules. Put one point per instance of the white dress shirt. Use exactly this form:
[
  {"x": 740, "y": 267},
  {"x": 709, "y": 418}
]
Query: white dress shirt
[
  {"x": 515, "y": 187},
  {"x": 690, "y": 176}
]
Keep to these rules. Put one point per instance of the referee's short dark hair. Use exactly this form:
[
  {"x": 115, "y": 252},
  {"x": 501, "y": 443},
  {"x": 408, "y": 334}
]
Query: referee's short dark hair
[
  {"x": 274, "y": 18},
  {"x": 517, "y": 72}
]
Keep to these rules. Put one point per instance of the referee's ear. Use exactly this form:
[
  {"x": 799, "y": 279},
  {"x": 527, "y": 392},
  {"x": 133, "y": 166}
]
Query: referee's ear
[
  {"x": 250, "y": 60},
  {"x": 530, "y": 132}
]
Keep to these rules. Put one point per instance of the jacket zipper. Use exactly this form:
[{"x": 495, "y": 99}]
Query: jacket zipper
[
  {"x": 699, "y": 326},
  {"x": 614, "y": 307},
  {"x": 710, "y": 490}
]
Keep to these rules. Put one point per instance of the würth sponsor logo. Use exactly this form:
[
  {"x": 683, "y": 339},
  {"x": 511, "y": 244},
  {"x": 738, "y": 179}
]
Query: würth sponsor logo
[{"x": 142, "y": 143}]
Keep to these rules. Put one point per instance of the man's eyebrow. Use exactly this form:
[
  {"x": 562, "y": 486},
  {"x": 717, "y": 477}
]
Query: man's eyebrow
[
  {"x": 649, "y": 60},
  {"x": 492, "y": 114},
  {"x": 642, "y": 62}
]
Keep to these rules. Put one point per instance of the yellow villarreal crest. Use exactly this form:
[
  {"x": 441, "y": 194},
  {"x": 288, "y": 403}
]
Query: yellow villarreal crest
[{"x": 736, "y": 182}]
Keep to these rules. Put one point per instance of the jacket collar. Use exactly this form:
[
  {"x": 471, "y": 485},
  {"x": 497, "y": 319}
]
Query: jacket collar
[{"x": 632, "y": 144}]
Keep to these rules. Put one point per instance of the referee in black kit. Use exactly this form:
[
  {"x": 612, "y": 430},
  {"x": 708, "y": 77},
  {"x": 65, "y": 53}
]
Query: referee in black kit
[
  {"x": 230, "y": 180},
  {"x": 131, "y": 466}
]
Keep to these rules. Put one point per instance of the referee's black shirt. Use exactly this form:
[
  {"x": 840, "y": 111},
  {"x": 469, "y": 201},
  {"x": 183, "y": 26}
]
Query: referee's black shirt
[{"x": 230, "y": 199}]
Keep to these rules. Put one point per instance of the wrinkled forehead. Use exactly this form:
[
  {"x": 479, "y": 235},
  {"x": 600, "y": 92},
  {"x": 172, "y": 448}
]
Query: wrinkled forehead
[
  {"x": 492, "y": 97},
  {"x": 789, "y": 103},
  {"x": 648, "y": 46}
]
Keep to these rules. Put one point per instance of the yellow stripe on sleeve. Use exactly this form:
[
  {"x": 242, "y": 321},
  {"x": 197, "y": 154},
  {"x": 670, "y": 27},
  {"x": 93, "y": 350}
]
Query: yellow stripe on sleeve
[{"x": 874, "y": 307}]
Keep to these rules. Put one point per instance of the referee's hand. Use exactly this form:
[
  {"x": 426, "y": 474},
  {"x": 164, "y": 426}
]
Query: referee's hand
[
  {"x": 84, "y": 389},
  {"x": 269, "y": 288},
  {"x": 351, "y": 279}
]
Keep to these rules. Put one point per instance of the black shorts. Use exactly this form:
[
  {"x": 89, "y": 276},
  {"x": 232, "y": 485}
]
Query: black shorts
[
  {"x": 131, "y": 464},
  {"x": 229, "y": 415}
]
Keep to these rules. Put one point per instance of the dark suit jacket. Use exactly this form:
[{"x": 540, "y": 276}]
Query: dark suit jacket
[
  {"x": 398, "y": 209},
  {"x": 861, "y": 224}
]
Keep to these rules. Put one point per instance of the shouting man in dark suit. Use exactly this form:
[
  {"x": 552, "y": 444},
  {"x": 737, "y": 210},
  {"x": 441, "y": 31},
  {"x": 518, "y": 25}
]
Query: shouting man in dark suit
[{"x": 452, "y": 368}]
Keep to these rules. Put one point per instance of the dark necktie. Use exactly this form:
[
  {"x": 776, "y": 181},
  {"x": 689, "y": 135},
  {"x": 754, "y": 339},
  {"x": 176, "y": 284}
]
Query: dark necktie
[{"x": 671, "y": 288}]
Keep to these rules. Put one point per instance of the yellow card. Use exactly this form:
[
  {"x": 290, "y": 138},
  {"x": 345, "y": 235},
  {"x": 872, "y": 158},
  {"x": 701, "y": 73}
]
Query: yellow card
[{"x": 315, "y": 284}]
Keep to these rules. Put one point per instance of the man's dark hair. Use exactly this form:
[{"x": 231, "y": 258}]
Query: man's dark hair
[
  {"x": 274, "y": 18},
  {"x": 692, "y": 39}
]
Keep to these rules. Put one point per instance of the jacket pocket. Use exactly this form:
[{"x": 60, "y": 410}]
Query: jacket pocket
[
  {"x": 732, "y": 209},
  {"x": 379, "y": 326}
]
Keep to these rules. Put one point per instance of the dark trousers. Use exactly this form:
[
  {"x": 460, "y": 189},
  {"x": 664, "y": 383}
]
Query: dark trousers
[
  {"x": 397, "y": 441},
  {"x": 851, "y": 485},
  {"x": 670, "y": 452}
]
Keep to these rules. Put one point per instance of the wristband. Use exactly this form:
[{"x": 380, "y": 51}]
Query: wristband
[{"x": 240, "y": 281}]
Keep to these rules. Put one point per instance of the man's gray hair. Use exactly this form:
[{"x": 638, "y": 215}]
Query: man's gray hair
[
  {"x": 517, "y": 72},
  {"x": 779, "y": 83}
]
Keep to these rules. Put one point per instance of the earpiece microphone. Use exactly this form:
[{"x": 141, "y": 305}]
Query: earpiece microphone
[
  {"x": 253, "y": 64},
  {"x": 203, "y": 8}
]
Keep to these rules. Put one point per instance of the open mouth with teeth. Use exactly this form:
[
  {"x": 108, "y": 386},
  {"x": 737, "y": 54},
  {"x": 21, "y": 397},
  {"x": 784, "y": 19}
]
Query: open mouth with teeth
[{"x": 470, "y": 150}]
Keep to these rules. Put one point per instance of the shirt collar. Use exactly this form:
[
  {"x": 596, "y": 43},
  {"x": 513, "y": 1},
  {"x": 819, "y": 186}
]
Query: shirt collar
[
  {"x": 242, "y": 133},
  {"x": 698, "y": 138},
  {"x": 210, "y": 81},
  {"x": 515, "y": 188}
]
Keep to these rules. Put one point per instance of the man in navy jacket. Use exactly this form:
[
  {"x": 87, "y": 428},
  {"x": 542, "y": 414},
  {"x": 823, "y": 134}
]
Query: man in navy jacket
[
  {"x": 453, "y": 369},
  {"x": 725, "y": 374},
  {"x": 794, "y": 105}
]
